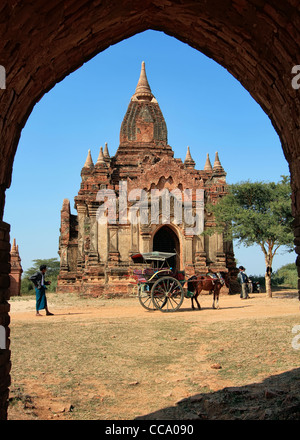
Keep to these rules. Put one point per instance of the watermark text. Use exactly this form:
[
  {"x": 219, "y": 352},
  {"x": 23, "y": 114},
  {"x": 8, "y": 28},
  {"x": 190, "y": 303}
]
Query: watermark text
[
  {"x": 154, "y": 207},
  {"x": 296, "y": 79},
  {"x": 2, "y": 77},
  {"x": 2, "y": 338},
  {"x": 296, "y": 339}
]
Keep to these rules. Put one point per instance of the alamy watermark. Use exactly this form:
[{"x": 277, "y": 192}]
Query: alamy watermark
[
  {"x": 2, "y": 338},
  {"x": 296, "y": 339},
  {"x": 2, "y": 77},
  {"x": 296, "y": 79},
  {"x": 155, "y": 207}
]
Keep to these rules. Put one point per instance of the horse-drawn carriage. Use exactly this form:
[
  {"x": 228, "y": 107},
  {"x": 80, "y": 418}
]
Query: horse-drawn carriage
[{"x": 160, "y": 287}]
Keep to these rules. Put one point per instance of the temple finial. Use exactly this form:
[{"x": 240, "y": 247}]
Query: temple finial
[
  {"x": 106, "y": 153},
  {"x": 143, "y": 91},
  {"x": 207, "y": 166},
  {"x": 89, "y": 161},
  {"x": 100, "y": 160},
  {"x": 13, "y": 248},
  {"x": 217, "y": 164},
  {"x": 217, "y": 168},
  {"x": 189, "y": 162}
]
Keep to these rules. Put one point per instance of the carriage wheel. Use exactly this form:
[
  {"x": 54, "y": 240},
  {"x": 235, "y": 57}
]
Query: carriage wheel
[
  {"x": 145, "y": 298},
  {"x": 167, "y": 294}
]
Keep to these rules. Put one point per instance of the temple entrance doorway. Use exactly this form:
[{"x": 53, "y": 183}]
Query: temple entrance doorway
[{"x": 166, "y": 240}]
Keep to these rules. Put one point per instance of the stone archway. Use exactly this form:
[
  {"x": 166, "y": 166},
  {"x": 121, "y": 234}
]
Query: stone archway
[
  {"x": 41, "y": 43},
  {"x": 166, "y": 240}
]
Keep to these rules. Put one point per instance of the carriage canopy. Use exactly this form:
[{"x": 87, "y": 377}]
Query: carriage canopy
[{"x": 152, "y": 256}]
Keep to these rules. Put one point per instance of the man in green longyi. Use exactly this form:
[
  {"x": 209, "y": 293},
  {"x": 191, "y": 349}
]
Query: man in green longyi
[{"x": 40, "y": 284}]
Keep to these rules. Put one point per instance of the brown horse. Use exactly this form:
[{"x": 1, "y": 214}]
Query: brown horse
[{"x": 198, "y": 283}]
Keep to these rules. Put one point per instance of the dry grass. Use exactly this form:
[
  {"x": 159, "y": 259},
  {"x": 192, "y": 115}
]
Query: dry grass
[{"x": 81, "y": 364}]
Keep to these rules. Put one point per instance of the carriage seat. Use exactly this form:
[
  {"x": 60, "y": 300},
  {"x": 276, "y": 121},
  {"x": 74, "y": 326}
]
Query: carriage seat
[
  {"x": 143, "y": 275},
  {"x": 139, "y": 276}
]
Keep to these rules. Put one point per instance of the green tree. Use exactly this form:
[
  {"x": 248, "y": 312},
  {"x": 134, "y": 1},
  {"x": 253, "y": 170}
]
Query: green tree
[
  {"x": 257, "y": 213},
  {"x": 53, "y": 266},
  {"x": 286, "y": 276}
]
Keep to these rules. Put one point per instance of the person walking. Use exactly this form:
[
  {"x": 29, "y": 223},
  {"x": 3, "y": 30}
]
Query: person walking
[
  {"x": 40, "y": 284},
  {"x": 243, "y": 280}
]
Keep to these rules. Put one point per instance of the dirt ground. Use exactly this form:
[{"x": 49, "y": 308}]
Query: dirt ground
[
  {"x": 282, "y": 303},
  {"x": 183, "y": 405}
]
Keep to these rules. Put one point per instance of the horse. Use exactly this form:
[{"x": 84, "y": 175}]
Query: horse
[{"x": 213, "y": 284}]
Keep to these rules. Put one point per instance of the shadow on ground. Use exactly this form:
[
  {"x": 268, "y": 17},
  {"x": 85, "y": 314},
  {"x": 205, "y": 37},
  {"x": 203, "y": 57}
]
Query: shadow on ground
[{"x": 276, "y": 398}]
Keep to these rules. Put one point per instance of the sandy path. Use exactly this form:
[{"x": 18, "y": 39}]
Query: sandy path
[{"x": 231, "y": 307}]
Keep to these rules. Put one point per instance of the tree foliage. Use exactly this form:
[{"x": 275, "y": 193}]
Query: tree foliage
[
  {"x": 286, "y": 276},
  {"x": 257, "y": 213}
]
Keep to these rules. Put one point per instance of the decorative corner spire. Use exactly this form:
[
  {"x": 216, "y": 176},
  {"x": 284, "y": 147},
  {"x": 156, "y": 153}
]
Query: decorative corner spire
[
  {"x": 143, "y": 91},
  {"x": 189, "y": 162},
  {"x": 217, "y": 164},
  {"x": 106, "y": 153},
  {"x": 14, "y": 248},
  {"x": 207, "y": 166},
  {"x": 89, "y": 161},
  {"x": 100, "y": 160}
]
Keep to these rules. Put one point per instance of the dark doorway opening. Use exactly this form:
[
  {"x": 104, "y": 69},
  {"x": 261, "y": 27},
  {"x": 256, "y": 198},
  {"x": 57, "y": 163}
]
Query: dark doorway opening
[{"x": 166, "y": 240}]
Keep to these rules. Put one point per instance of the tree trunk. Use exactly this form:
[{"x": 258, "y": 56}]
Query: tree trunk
[
  {"x": 269, "y": 255},
  {"x": 269, "y": 259},
  {"x": 268, "y": 285}
]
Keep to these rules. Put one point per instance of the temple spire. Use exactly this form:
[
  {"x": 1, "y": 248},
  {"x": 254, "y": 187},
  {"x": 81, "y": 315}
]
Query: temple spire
[
  {"x": 217, "y": 165},
  {"x": 143, "y": 130},
  {"x": 13, "y": 248},
  {"x": 106, "y": 153},
  {"x": 100, "y": 160},
  {"x": 89, "y": 161},
  {"x": 143, "y": 91},
  {"x": 207, "y": 166},
  {"x": 217, "y": 162},
  {"x": 189, "y": 162}
]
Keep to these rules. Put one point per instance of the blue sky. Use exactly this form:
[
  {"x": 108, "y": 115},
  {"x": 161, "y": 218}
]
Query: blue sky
[{"x": 204, "y": 106}]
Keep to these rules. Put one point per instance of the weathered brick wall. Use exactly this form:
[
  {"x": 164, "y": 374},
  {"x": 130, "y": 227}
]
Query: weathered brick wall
[{"x": 4, "y": 317}]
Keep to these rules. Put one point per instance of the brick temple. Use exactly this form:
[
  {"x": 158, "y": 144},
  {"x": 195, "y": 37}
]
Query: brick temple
[
  {"x": 122, "y": 207},
  {"x": 15, "y": 270}
]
